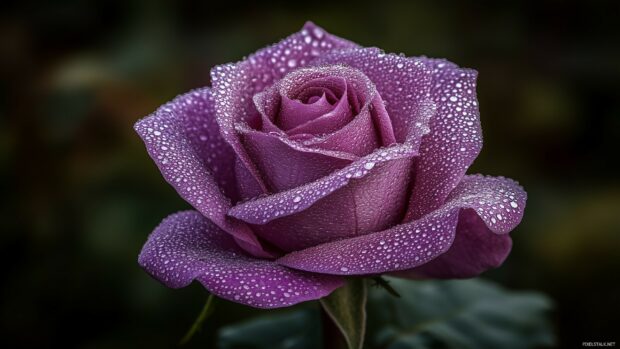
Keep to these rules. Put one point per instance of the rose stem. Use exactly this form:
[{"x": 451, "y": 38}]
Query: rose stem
[{"x": 207, "y": 309}]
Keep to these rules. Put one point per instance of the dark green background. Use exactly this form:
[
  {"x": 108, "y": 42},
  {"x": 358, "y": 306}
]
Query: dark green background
[{"x": 80, "y": 195}]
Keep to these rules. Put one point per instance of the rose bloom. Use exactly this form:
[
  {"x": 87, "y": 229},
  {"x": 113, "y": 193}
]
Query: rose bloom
[{"x": 315, "y": 159}]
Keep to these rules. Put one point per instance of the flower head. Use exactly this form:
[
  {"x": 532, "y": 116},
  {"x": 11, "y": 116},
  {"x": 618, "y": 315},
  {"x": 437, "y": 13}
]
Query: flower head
[{"x": 316, "y": 158}]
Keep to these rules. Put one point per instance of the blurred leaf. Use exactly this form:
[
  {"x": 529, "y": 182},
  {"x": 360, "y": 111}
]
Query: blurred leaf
[
  {"x": 347, "y": 308},
  {"x": 300, "y": 329},
  {"x": 458, "y": 314}
]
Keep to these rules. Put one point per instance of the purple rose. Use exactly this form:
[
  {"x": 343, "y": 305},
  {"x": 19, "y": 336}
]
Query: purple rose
[{"x": 315, "y": 159}]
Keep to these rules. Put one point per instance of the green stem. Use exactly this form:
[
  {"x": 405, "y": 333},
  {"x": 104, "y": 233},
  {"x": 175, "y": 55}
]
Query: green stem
[
  {"x": 197, "y": 325},
  {"x": 379, "y": 281}
]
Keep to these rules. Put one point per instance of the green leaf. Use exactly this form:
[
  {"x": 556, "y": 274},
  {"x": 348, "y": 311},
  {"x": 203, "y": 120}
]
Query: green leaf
[
  {"x": 300, "y": 329},
  {"x": 460, "y": 314},
  {"x": 347, "y": 308}
]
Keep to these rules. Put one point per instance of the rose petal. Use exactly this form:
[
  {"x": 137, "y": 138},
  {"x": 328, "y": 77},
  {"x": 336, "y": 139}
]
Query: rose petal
[
  {"x": 265, "y": 209},
  {"x": 300, "y": 113},
  {"x": 194, "y": 113},
  {"x": 172, "y": 135},
  {"x": 236, "y": 83},
  {"x": 403, "y": 83},
  {"x": 186, "y": 246},
  {"x": 365, "y": 196},
  {"x": 297, "y": 89},
  {"x": 499, "y": 202},
  {"x": 475, "y": 249},
  {"x": 348, "y": 212},
  {"x": 333, "y": 120},
  {"x": 370, "y": 129},
  {"x": 286, "y": 164},
  {"x": 454, "y": 141}
]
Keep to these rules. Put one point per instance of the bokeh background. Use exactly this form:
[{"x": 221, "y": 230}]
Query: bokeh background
[{"x": 80, "y": 195}]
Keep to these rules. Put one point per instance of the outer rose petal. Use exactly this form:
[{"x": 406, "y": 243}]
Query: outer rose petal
[
  {"x": 186, "y": 246},
  {"x": 499, "y": 202},
  {"x": 403, "y": 83},
  {"x": 342, "y": 204},
  {"x": 475, "y": 249},
  {"x": 196, "y": 113},
  {"x": 236, "y": 83},
  {"x": 454, "y": 141},
  {"x": 172, "y": 135}
]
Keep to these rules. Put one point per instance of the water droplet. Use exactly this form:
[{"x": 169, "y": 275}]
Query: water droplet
[
  {"x": 318, "y": 33},
  {"x": 514, "y": 204},
  {"x": 369, "y": 165},
  {"x": 297, "y": 199}
]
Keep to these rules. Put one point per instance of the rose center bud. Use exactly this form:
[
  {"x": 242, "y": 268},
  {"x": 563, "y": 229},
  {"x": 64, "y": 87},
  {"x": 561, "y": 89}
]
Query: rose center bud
[
  {"x": 330, "y": 107},
  {"x": 309, "y": 124},
  {"x": 316, "y": 108}
]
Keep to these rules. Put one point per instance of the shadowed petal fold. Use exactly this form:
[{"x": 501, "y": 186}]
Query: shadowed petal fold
[
  {"x": 499, "y": 202},
  {"x": 186, "y": 246}
]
